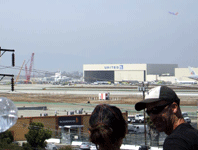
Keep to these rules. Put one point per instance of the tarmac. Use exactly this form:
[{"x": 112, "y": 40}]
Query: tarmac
[{"x": 64, "y": 108}]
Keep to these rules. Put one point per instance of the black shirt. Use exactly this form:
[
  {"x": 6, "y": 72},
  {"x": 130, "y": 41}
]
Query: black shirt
[{"x": 184, "y": 137}]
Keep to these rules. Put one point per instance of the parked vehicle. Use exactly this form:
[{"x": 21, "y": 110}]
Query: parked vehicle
[
  {"x": 186, "y": 118},
  {"x": 139, "y": 118},
  {"x": 51, "y": 146},
  {"x": 132, "y": 129},
  {"x": 93, "y": 147},
  {"x": 85, "y": 145},
  {"x": 131, "y": 119},
  {"x": 15, "y": 142}
]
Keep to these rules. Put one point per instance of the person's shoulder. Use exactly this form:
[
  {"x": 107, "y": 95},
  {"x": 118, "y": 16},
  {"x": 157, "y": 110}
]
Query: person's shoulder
[
  {"x": 185, "y": 130},
  {"x": 183, "y": 136},
  {"x": 177, "y": 142},
  {"x": 174, "y": 143},
  {"x": 186, "y": 127}
]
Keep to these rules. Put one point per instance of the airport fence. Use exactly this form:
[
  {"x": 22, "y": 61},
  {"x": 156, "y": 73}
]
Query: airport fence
[{"x": 130, "y": 139}]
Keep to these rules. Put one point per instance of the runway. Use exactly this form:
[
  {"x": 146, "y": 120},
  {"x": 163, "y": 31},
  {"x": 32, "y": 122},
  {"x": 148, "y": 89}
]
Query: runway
[
  {"x": 61, "y": 108},
  {"x": 88, "y": 89}
]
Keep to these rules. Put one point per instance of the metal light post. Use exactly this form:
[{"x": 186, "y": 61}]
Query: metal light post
[{"x": 144, "y": 88}]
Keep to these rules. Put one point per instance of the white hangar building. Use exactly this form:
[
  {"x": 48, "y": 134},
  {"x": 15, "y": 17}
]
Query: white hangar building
[{"x": 126, "y": 72}]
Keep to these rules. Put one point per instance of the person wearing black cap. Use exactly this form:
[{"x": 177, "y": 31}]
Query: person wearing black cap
[{"x": 162, "y": 105}]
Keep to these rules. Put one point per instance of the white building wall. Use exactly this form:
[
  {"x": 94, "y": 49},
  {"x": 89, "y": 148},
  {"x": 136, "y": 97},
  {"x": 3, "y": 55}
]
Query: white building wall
[
  {"x": 105, "y": 67},
  {"x": 121, "y": 71},
  {"x": 152, "y": 77},
  {"x": 128, "y": 75},
  {"x": 182, "y": 74},
  {"x": 161, "y": 78},
  {"x": 130, "y": 71},
  {"x": 167, "y": 78}
]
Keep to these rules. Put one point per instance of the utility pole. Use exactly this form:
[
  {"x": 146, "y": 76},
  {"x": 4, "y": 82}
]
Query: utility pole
[{"x": 13, "y": 64}]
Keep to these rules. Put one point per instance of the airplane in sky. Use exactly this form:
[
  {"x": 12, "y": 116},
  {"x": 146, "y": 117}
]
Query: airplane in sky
[{"x": 193, "y": 76}]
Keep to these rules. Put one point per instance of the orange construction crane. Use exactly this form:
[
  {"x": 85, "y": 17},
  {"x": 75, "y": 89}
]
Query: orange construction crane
[{"x": 19, "y": 73}]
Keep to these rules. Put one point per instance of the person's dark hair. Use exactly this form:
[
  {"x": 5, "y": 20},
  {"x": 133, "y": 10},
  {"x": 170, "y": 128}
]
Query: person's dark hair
[{"x": 107, "y": 126}]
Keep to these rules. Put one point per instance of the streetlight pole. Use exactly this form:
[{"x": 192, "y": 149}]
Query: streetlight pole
[{"x": 144, "y": 88}]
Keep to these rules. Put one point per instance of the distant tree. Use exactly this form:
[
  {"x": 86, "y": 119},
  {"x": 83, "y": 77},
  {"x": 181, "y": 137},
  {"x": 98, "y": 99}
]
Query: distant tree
[
  {"x": 6, "y": 137},
  {"x": 37, "y": 135},
  {"x": 27, "y": 146},
  {"x": 12, "y": 146},
  {"x": 153, "y": 133}
]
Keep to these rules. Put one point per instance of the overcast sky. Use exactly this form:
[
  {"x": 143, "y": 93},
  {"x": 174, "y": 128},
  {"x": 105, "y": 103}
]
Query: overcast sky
[{"x": 65, "y": 34}]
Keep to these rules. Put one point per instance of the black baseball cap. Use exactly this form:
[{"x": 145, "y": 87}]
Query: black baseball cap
[{"x": 158, "y": 93}]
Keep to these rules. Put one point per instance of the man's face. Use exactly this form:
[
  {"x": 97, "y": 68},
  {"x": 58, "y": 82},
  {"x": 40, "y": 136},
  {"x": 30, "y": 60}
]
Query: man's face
[{"x": 162, "y": 120}]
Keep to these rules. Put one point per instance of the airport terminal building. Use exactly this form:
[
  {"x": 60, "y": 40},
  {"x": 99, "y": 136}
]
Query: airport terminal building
[{"x": 126, "y": 72}]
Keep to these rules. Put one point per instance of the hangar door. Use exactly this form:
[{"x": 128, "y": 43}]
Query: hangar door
[{"x": 93, "y": 76}]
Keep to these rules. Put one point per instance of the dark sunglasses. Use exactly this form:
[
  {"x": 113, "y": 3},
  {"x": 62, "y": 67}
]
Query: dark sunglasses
[{"x": 157, "y": 109}]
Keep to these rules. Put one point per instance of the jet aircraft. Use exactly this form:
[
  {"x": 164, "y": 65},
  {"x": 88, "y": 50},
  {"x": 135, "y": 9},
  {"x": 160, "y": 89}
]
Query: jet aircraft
[
  {"x": 185, "y": 82},
  {"x": 193, "y": 74}
]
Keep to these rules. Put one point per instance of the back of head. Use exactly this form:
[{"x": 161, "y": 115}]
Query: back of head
[{"x": 107, "y": 126}]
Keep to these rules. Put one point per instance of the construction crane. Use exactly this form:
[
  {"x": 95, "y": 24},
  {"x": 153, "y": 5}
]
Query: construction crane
[
  {"x": 28, "y": 72},
  {"x": 19, "y": 73}
]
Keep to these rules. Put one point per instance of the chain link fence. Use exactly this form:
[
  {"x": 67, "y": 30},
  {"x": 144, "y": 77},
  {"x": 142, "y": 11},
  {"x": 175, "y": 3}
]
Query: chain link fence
[{"x": 131, "y": 139}]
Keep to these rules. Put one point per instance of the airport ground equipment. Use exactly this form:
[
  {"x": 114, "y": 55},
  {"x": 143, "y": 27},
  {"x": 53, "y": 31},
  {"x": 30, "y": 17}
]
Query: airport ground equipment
[{"x": 104, "y": 96}]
